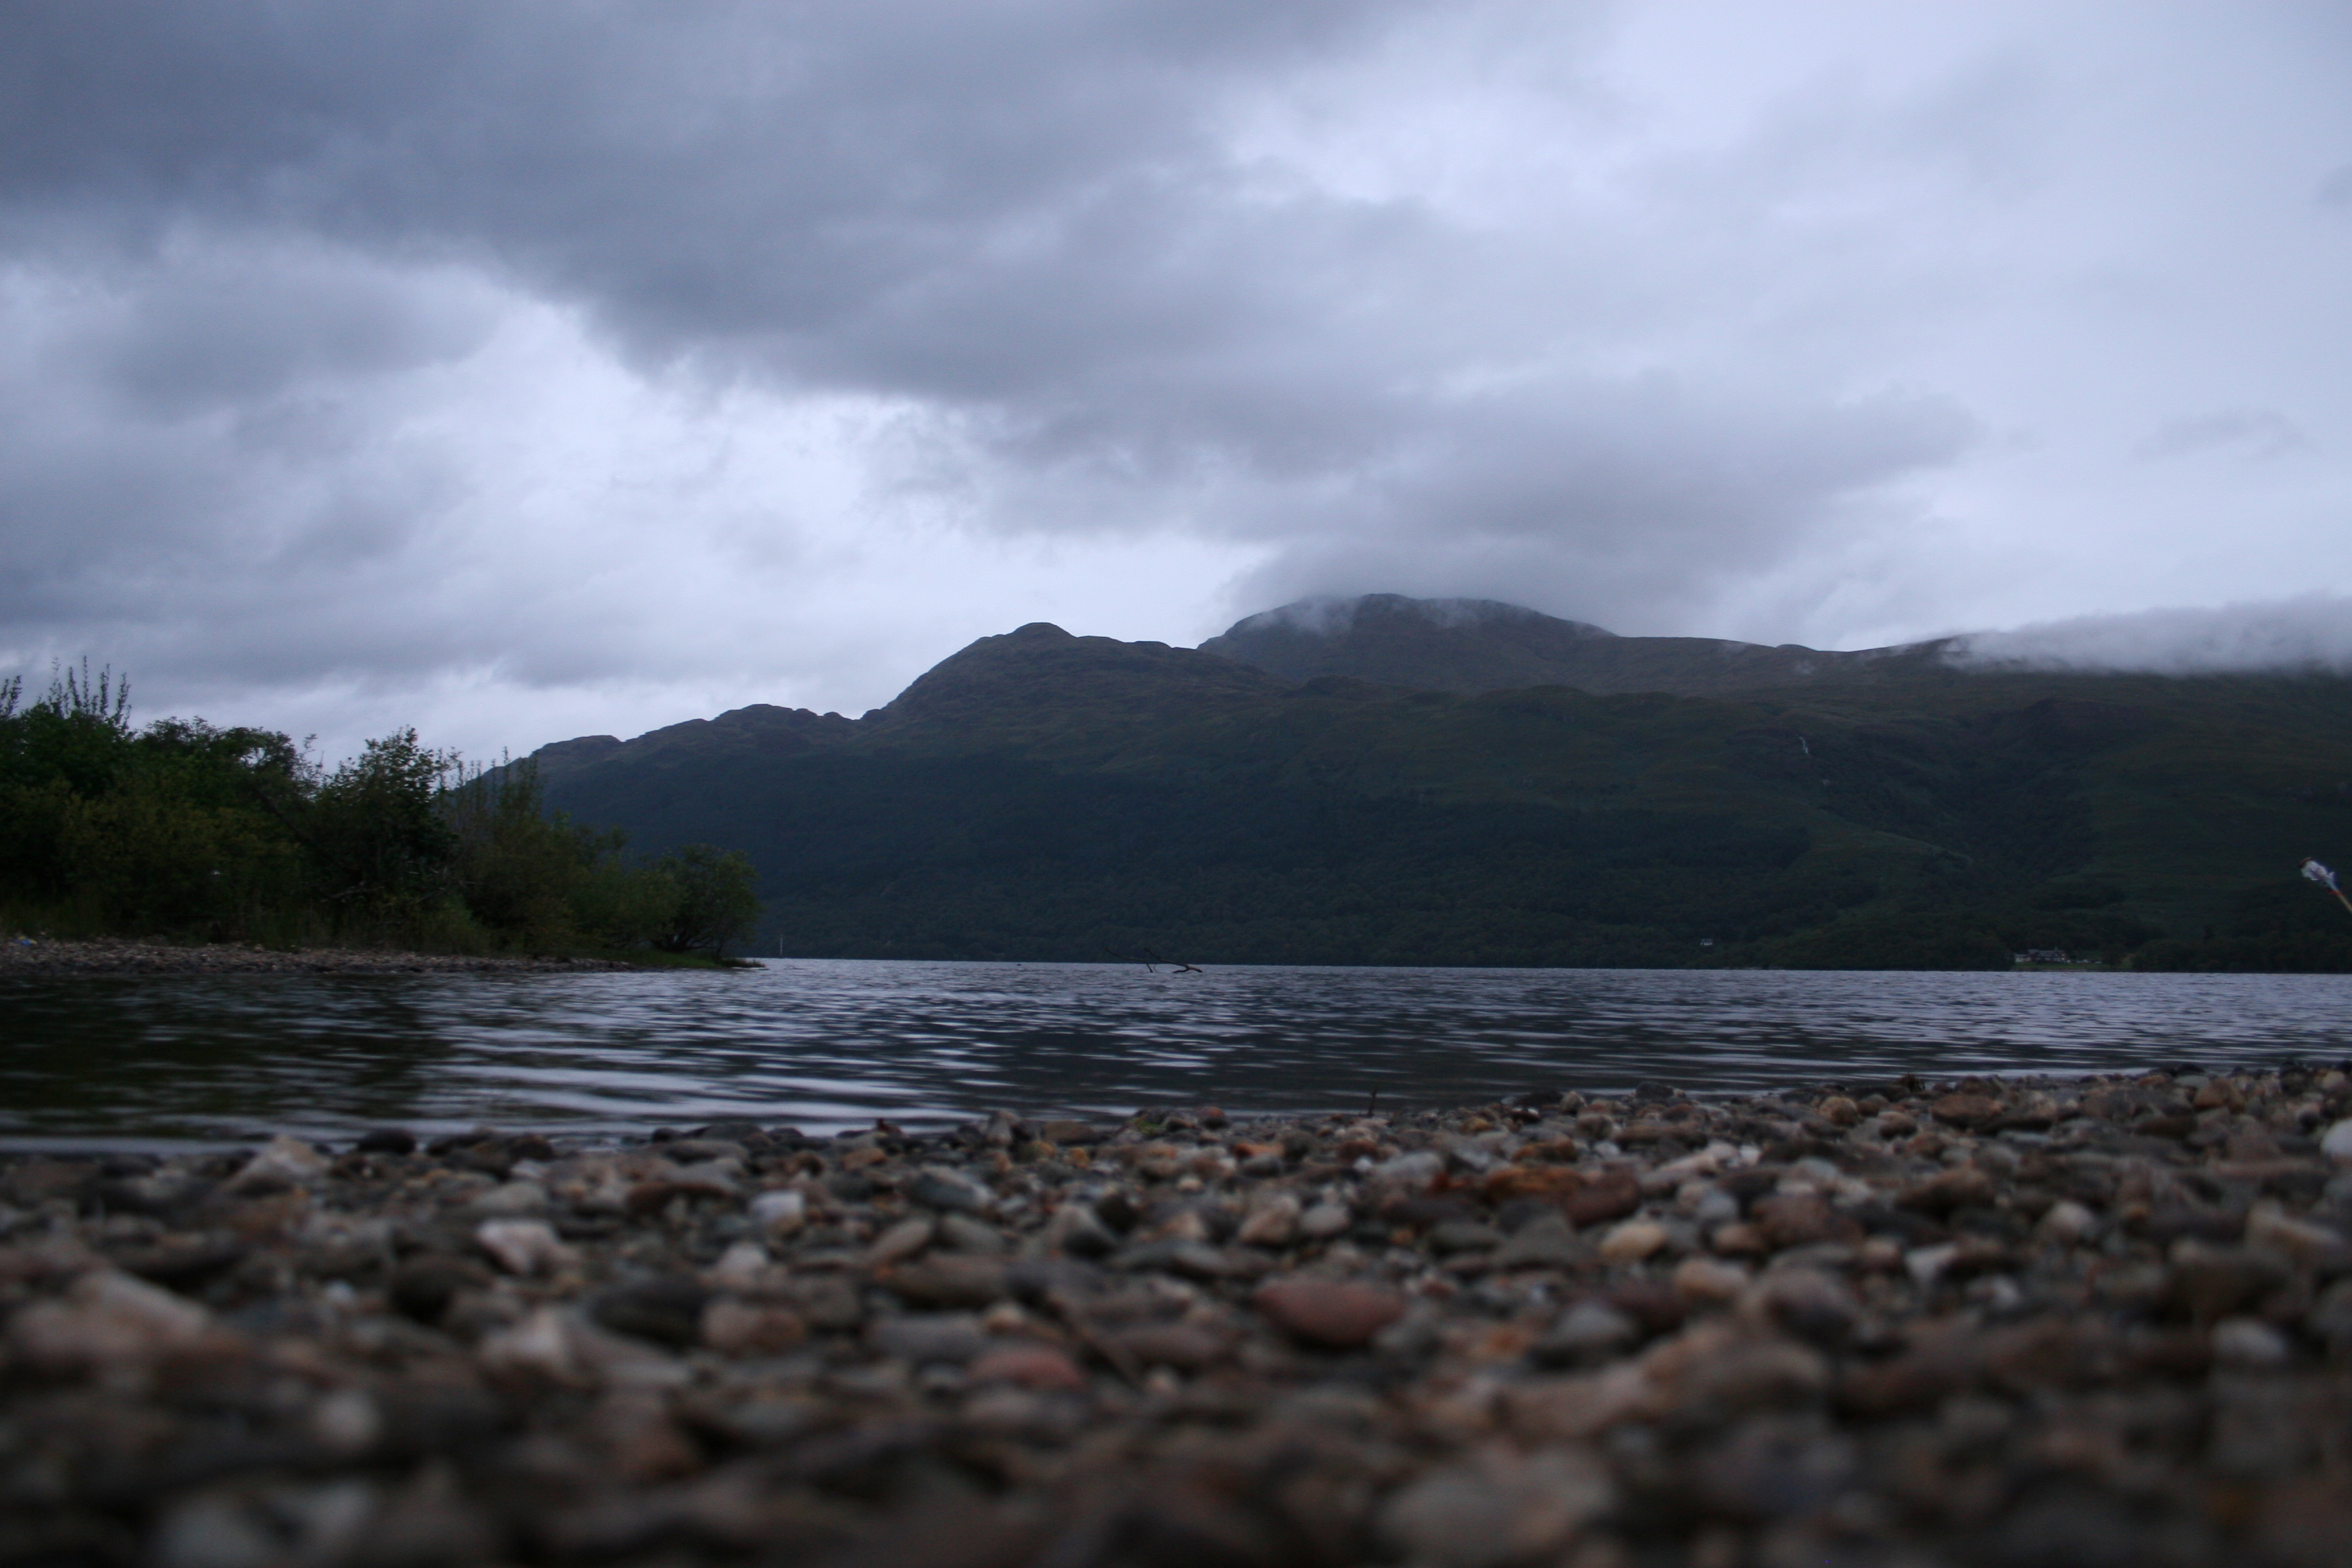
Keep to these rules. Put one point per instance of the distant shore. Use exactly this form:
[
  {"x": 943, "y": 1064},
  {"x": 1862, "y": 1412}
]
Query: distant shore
[{"x": 110, "y": 955}]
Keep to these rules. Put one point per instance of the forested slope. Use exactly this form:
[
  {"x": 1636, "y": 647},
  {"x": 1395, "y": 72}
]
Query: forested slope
[{"x": 1045, "y": 796}]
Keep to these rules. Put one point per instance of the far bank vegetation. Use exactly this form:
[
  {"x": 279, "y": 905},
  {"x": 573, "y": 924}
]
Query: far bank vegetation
[{"x": 185, "y": 831}]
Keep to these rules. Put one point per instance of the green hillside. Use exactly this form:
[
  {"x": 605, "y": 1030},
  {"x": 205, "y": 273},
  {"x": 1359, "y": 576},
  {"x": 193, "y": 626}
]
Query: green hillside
[{"x": 1045, "y": 796}]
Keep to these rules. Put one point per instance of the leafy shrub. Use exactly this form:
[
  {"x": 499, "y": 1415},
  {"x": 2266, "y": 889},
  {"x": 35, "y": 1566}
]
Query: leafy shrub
[{"x": 714, "y": 898}]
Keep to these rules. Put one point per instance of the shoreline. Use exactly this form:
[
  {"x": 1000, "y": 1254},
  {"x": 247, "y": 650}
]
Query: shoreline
[
  {"x": 2023, "y": 1320},
  {"x": 110, "y": 956},
  {"x": 101, "y": 957}
]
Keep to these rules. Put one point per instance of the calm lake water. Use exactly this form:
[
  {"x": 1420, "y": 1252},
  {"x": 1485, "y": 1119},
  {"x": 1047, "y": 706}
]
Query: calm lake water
[{"x": 823, "y": 1044}]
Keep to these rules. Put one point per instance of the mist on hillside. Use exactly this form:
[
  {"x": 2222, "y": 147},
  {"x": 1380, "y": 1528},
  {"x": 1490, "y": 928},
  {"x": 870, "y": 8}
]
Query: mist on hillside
[{"x": 2311, "y": 632}]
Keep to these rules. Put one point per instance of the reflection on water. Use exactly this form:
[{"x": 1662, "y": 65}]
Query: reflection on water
[{"x": 825, "y": 1044}]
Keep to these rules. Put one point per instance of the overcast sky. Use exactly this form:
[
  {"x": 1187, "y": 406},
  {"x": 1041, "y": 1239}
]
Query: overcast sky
[{"x": 522, "y": 371}]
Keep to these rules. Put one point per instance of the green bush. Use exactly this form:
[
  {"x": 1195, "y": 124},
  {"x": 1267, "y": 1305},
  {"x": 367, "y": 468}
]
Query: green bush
[{"x": 714, "y": 899}]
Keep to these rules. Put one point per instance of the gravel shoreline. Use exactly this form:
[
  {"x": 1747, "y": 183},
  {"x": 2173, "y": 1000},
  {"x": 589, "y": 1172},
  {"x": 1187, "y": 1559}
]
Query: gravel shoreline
[
  {"x": 2079, "y": 1323},
  {"x": 115, "y": 956}
]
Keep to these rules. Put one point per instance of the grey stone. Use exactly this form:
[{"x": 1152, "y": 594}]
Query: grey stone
[
  {"x": 1588, "y": 1333},
  {"x": 1462, "y": 1235},
  {"x": 1546, "y": 1242},
  {"x": 923, "y": 1337},
  {"x": 964, "y": 1234},
  {"x": 936, "y": 1186},
  {"x": 1495, "y": 1508}
]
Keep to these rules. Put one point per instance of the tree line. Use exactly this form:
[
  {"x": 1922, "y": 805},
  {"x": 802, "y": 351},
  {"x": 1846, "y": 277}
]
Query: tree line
[{"x": 191, "y": 831}]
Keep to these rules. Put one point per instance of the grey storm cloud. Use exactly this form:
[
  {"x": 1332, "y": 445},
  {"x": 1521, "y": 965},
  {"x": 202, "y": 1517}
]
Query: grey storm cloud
[
  {"x": 797, "y": 185},
  {"x": 1022, "y": 215},
  {"x": 387, "y": 344}
]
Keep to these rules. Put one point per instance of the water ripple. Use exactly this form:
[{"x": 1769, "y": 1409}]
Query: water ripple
[{"x": 830, "y": 1044}]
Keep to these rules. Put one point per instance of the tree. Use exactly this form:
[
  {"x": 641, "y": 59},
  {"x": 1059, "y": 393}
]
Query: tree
[
  {"x": 535, "y": 877},
  {"x": 376, "y": 829},
  {"x": 71, "y": 746},
  {"x": 715, "y": 902}
]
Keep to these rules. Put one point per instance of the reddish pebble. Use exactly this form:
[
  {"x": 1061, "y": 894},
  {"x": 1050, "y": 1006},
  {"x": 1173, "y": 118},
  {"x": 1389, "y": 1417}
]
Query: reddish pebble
[
  {"x": 1030, "y": 1366},
  {"x": 1965, "y": 1109},
  {"x": 1611, "y": 1195},
  {"x": 1335, "y": 1312},
  {"x": 1550, "y": 1184}
]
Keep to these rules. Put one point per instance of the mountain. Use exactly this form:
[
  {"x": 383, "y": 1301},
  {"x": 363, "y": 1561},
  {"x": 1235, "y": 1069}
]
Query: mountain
[
  {"x": 1040, "y": 796},
  {"x": 1481, "y": 645}
]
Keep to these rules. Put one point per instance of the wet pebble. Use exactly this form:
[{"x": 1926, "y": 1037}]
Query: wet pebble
[{"x": 1959, "y": 1322}]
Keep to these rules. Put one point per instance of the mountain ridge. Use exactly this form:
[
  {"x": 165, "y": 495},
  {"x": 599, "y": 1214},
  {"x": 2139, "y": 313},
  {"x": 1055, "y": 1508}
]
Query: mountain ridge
[
  {"x": 1039, "y": 678},
  {"x": 1042, "y": 795}
]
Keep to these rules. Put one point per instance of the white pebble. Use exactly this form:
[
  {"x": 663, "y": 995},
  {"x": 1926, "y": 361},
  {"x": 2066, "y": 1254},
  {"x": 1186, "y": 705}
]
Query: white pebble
[
  {"x": 2337, "y": 1143},
  {"x": 281, "y": 1162},
  {"x": 740, "y": 1267},
  {"x": 1323, "y": 1221},
  {"x": 782, "y": 1210},
  {"x": 523, "y": 1246},
  {"x": 2249, "y": 1342},
  {"x": 347, "y": 1421}
]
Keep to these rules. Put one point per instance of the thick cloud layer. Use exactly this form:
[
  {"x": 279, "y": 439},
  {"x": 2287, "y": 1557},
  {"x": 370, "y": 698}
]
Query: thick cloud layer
[{"x": 527, "y": 369}]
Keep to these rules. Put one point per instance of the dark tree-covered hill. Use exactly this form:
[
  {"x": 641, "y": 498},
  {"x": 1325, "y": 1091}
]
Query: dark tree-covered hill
[{"x": 1404, "y": 797}]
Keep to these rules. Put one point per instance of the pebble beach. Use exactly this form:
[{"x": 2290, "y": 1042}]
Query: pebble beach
[{"x": 2017, "y": 1321}]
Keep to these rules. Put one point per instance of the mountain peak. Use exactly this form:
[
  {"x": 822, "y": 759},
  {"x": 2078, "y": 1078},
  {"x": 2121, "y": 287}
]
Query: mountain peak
[
  {"x": 1449, "y": 644},
  {"x": 1039, "y": 678}
]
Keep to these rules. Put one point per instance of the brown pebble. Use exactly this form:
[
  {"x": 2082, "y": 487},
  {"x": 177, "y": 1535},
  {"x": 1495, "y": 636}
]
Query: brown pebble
[
  {"x": 734, "y": 1327},
  {"x": 1799, "y": 1220},
  {"x": 107, "y": 1319},
  {"x": 2210, "y": 1282},
  {"x": 1940, "y": 1194},
  {"x": 1964, "y": 1110},
  {"x": 953, "y": 1279},
  {"x": 1739, "y": 1239},
  {"x": 1341, "y": 1314},
  {"x": 1757, "y": 1377},
  {"x": 1612, "y": 1196},
  {"x": 900, "y": 1242},
  {"x": 1632, "y": 1241},
  {"x": 1496, "y": 1507},
  {"x": 1187, "y": 1347},
  {"x": 1547, "y": 1184},
  {"x": 1703, "y": 1280},
  {"x": 1029, "y": 1366}
]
